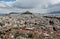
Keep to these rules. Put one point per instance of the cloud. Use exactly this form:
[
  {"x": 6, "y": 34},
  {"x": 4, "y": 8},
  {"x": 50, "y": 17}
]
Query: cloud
[
  {"x": 55, "y": 1},
  {"x": 36, "y": 6},
  {"x": 55, "y": 7},
  {"x": 29, "y": 3},
  {"x": 8, "y": 0}
]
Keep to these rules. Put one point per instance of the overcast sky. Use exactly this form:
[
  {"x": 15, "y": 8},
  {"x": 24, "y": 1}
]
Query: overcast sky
[{"x": 35, "y": 6}]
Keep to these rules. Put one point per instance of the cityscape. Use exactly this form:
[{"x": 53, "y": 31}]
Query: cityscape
[{"x": 28, "y": 25}]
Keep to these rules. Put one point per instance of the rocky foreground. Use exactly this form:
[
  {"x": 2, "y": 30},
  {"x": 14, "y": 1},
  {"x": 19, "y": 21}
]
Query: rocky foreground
[{"x": 29, "y": 26}]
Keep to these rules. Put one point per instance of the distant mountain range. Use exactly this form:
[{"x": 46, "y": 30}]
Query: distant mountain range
[
  {"x": 27, "y": 12},
  {"x": 55, "y": 12},
  {"x": 13, "y": 13}
]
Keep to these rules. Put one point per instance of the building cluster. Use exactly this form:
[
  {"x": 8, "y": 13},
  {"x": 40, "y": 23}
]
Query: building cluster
[{"x": 29, "y": 27}]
